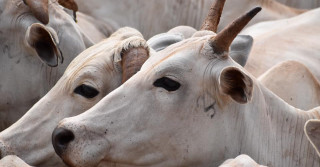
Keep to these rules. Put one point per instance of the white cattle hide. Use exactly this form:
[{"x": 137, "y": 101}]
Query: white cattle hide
[
  {"x": 294, "y": 83},
  {"x": 288, "y": 39}
]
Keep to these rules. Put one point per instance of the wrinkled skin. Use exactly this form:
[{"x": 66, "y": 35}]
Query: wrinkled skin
[
  {"x": 205, "y": 121},
  {"x": 177, "y": 12},
  {"x": 305, "y": 4},
  {"x": 25, "y": 78},
  {"x": 98, "y": 67}
]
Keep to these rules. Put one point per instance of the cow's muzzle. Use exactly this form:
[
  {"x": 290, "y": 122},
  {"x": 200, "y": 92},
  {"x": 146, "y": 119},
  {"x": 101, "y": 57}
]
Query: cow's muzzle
[{"x": 61, "y": 138}]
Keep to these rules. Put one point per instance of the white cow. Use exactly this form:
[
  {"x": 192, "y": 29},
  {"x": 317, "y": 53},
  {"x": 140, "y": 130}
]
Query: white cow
[
  {"x": 312, "y": 131},
  {"x": 152, "y": 17},
  {"x": 288, "y": 39},
  {"x": 294, "y": 83},
  {"x": 190, "y": 105},
  {"x": 37, "y": 42},
  {"x": 90, "y": 76}
]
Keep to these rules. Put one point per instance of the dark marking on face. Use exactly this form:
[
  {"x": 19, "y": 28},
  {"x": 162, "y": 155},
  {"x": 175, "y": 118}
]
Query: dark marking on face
[
  {"x": 198, "y": 101},
  {"x": 203, "y": 101},
  {"x": 18, "y": 61},
  {"x": 211, "y": 107},
  {"x": 6, "y": 51}
]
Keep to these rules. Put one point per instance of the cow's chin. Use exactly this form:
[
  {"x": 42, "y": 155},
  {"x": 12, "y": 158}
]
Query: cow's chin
[
  {"x": 119, "y": 164},
  {"x": 76, "y": 161}
]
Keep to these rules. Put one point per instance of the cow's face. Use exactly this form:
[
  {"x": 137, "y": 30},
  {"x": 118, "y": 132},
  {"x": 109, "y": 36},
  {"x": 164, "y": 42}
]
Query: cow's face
[
  {"x": 32, "y": 53},
  {"x": 93, "y": 74},
  {"x": 171, "y": 113}
]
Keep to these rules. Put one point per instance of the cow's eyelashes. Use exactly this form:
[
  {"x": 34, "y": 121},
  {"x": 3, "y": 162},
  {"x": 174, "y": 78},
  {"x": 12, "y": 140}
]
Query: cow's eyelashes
[
  {"x": 86, "y": 91},
  {"x": 167, "y": 83}
]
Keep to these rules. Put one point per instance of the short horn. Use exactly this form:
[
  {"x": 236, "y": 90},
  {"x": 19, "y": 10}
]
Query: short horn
[
  {"x": 70, "y": 4},
  {"x": 223, "y": 40},
  {"x": 132, "y": 60},
  {"x": 40, "y": 9},
  {"x": 213, "y": 18}
]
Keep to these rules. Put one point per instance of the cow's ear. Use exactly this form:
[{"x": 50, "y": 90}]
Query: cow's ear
[
  {"x": 236, "y": 84},
  {"x": 162, "y": 41},
  {"x": 43, "y": 41},
  {"x": 240, "y": 49},
  {"x": 131, "y": 55},
  {"x": 312, "y": 130}
]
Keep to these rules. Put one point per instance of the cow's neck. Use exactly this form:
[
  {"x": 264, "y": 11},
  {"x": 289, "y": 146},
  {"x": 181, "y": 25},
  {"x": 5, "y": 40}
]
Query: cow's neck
[{"x": 272, "y": 132}]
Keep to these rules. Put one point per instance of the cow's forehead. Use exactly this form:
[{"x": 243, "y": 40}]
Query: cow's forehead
[
  {"x": 101, "y": 57},
  {"x": 184, "y": 53}
]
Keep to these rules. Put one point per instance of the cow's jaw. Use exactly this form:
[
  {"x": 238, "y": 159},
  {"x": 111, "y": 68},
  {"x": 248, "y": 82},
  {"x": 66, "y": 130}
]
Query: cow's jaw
[{"x": 23, "y": 143}]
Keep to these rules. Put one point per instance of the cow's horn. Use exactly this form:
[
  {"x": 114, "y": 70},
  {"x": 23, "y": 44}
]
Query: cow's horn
[
  {"x": 70, "y": 4},
  {"x": 40, "y": 9},
  {"x": 213, "y": 18},
  {"x": 132, "y": 60},
  {"x": 223, "y": 40}
]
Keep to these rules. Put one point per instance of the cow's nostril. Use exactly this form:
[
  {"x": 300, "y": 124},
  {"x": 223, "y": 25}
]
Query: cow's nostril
[
  {"x": 1, "y": 150},
  {"x": 60, "y": 139}
]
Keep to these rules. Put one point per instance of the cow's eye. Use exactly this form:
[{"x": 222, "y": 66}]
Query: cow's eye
[
  {"x": 167, "y": 83},
  {"x": 86, "y": 91}
]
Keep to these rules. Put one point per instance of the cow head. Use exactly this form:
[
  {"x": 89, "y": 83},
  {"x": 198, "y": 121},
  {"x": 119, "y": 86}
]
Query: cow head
[
  {"x": 174, "y": 112},
  {"x": 90, "y": 76},
  {"x": 37, "y": 42}
]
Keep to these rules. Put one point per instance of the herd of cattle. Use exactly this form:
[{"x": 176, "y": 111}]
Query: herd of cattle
[{"x": 78, "y": 90}]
